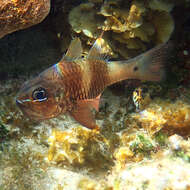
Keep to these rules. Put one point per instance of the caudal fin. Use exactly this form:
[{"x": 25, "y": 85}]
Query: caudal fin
[{"x": 151, "y": 64}]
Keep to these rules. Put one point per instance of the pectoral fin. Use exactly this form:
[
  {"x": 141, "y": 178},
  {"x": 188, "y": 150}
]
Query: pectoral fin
[{"x": 83, "y": 112}]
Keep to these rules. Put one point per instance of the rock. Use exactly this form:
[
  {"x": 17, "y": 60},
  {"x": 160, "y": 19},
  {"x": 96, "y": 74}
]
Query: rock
[{"x": 19, "y": 14}]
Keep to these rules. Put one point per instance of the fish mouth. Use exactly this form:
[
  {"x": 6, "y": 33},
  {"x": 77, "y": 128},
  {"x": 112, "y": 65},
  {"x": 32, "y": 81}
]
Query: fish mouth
[
  {"x": 22, "y": 107},
  {"x": 26, "y": 112},
  {"x": 19, "y": 103}
]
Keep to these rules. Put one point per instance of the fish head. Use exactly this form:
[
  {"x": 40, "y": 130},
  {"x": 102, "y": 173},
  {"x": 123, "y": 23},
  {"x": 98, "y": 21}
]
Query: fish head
[{"x": 39, "y": 98}]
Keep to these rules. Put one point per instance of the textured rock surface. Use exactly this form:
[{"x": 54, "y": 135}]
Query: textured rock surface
[{"x": 20, "y": 14}]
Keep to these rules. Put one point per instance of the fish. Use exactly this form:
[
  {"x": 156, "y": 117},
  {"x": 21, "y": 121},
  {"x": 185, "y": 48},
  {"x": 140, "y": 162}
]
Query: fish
[
  {"x": 74, "y": 85},
  {"x": 141, "y": 98}
]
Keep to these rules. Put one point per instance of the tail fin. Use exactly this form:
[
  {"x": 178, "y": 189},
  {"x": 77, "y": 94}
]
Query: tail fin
[
  {"x": 148, "y": 66},
  {"x": 152, "y": 63}
]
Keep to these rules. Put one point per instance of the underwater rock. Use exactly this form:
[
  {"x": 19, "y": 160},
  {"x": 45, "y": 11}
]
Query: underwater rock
[
  {"x": 159, "y": 174},
  {"x": 18, "y": 14}
]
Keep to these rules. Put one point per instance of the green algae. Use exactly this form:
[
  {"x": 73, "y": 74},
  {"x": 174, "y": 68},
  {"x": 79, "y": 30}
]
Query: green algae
[
  {"x": 161, "y": 138},
  {"x": 183, "y": 155},
  {"x": 142, "y": 145}
]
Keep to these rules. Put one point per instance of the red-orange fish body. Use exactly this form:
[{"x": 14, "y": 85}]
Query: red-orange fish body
[{"x": 75, "y": 84}]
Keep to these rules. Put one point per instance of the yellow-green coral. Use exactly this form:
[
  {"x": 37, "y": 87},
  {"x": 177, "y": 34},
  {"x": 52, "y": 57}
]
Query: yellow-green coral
[
  {"x": 134, "y": 148},
  {"x": 122, "y": 156},
  {"x": 79, "y": 146},
  {"x": 134, "y": 20},
  {"x": 162, "y": 113},
  {"x": 86, "y": 184}
]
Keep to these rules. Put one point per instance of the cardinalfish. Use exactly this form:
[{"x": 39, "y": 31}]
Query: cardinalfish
[{"x": 75, "y": 84}]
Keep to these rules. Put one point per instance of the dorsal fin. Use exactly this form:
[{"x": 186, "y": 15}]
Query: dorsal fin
[
  {"x": 98, "y": 50},
  {"x": 74, "y": 51}
]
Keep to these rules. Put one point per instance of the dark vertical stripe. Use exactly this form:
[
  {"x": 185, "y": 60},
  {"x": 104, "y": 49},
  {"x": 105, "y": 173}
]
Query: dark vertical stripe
[
  {"x": 99, "y": 78},
  {"x": 73, "y": 79}
]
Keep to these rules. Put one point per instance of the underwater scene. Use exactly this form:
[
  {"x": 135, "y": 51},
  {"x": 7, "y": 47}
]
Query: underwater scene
[{"x": 94, "y": 95}]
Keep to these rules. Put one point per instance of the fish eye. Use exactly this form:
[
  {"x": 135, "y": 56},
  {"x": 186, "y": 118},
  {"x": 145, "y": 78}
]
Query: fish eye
[{"x": 39, "y": 94}]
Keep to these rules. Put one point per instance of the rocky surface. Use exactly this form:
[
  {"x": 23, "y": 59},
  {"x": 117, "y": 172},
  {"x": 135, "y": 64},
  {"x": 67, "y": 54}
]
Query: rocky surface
[{"x": 20, "y": 14}]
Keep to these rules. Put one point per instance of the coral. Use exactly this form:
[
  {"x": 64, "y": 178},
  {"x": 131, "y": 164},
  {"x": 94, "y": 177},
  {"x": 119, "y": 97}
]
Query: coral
[
  {"x": 121, "y": 20},
  {"x": 16, "y": 14},
  {"x": 161, "y": 138},
  {"x": 126, "y": 24},
  {"x": 134, "y": 148},
  {"x": 141, "y": 145},
  {"x": 79, "y": 146},
  {"x": 98, "y": 161},
  {"x": 134, "y": 19},
  {"x": 86, "y": 184},
  {"x": 82, "y": 19},
  {"x": 165, "y": 114},
  {"x": 122, "y": 156}
]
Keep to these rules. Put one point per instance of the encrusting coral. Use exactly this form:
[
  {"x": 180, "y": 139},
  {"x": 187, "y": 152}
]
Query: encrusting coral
[
  {"x": 130, "y": 25},
  {"x": 79, "y": 146},
  {"x": 164, "y": 114}
]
